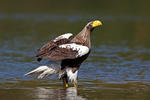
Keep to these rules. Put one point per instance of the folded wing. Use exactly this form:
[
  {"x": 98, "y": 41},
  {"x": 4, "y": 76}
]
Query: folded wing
[
  {"x": 44, "y": 50},
  {"x": 66, "y": 51}
]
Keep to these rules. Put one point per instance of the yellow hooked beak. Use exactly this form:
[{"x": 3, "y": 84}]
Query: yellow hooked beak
[{"x": 96, "y": 23}]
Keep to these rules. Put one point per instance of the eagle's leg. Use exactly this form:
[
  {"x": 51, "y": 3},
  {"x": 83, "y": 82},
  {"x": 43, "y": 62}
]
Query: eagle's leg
[
  {"x": 75, "y": 83},
  {"x": 65, "y": 80}
]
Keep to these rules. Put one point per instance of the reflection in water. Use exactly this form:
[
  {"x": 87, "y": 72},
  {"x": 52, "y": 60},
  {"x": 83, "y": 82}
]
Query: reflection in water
[
  {"x": 43, "y": 93},
  {"x": 47, "y": 93},
  {"x": 71, "y": 94}
]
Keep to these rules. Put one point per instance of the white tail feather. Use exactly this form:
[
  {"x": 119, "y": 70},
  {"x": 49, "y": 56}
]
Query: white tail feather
[
  {"x": 43, "y": 70},
  {"x": 47, "y": 72}
]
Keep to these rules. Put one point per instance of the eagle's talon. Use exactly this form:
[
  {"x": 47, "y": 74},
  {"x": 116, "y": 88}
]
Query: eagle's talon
[
  {"x": 75, "y": 84},
  {"x": 66, "y": 84}
]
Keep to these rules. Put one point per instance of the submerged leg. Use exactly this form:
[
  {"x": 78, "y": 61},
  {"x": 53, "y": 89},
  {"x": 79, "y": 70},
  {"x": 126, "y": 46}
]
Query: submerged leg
[
  {"x": 75, "y": 83},
  {"x": 66, "y": 83}
]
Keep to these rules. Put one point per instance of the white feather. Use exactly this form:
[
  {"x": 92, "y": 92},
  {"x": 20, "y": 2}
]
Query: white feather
[
  {"x": 82, "y": 50},
  {"x": 72, "y": 76},
  {"x": 47, "y": 72},
  {"x": 43, "y": 70},
  {"x": 64, "y": 36}
]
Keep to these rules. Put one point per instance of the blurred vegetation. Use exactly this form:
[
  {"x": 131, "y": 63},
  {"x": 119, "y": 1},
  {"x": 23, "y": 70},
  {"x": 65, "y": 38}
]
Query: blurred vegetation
[
  {"x": 123, "y": 20},
  {"x": 108, "y": 7}
]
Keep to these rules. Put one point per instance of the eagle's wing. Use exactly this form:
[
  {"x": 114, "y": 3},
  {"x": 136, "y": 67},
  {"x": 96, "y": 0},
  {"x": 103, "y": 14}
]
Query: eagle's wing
[
  {"x": 62, "y": 39},
  {"x": 66, "y": 51}
]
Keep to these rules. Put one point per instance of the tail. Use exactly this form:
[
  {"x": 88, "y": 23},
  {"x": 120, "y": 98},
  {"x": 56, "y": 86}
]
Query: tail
[{"x": 43, "y": 71}]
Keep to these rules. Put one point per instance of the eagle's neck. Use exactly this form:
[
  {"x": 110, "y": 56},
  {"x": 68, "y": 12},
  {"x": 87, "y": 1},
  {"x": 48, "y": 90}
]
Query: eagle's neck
[{"x": 83, "y": 37}]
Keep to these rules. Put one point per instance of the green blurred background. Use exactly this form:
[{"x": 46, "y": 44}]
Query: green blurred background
[
  {"x": 105, "y": 7},
  {"x": 123, "y": 20}
]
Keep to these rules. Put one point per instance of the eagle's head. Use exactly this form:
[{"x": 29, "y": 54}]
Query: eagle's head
[{"x": 91, "y": 25}]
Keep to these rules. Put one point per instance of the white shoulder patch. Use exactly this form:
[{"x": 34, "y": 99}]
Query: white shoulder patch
[
  {"x": 64, "y": 36},
  {"x": 82, "y": 50}
]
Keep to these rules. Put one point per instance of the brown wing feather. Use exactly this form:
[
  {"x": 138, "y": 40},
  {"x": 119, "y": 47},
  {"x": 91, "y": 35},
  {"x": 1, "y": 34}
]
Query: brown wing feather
[
  {"x": 47, "y": 48},
  {"x": 60, "y": 54}
]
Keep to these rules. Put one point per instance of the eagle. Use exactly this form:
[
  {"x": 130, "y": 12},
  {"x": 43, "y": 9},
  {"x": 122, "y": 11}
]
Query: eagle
[{"x": 70, "y": 53}]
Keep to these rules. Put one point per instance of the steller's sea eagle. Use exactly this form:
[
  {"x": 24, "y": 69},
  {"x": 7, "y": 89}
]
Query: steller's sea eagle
[{"x": 69, "y": 52}]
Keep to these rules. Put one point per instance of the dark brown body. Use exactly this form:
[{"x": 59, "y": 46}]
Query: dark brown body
[{"x": 74, "y": 64}]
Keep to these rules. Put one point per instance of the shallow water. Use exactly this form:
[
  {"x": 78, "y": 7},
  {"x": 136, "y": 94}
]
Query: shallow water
[{"x": 117, "y": 68}]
